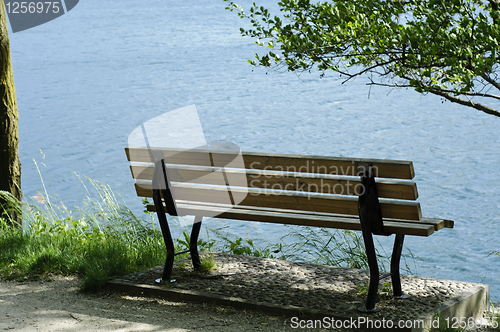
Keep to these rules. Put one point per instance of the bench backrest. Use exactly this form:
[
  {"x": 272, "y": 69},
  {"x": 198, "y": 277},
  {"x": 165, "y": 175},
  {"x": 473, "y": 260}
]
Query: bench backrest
[{"x": 278, "y": 181}]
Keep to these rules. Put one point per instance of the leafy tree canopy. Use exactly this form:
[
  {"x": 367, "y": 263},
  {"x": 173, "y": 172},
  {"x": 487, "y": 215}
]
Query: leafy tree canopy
[{"x": 446, "y": 47}]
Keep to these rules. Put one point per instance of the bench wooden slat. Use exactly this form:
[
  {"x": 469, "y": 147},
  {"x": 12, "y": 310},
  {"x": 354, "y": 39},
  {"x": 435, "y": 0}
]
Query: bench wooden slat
[
  {"x": 292, "y": 200},
  {"x": 278, "y": 162},
  {"x": 337, "y": 185},
  {"x": 174, "y": 156},
  {"x": 436, "y": 223},
  {"x": 328, "y": 165},
  {"x": 240, "y": 213},
  {"x": 449, "y": 223}
]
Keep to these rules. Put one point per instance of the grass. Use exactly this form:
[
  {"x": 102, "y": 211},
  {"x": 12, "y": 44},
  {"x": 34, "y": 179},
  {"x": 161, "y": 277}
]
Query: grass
[
  {"x": 495, "y": 317},
  {"x": 384, "y": 287},
  {"x": 331, "y": 247},
  {"x": 98, "y": 242}
]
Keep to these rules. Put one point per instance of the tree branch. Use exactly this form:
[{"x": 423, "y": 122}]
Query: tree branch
[
  {"x": 395, "y": 85},
  {"x": 490, "y": 80},
  {"x": 468, "y": 103},
  {"x": 472, "y": 94}
]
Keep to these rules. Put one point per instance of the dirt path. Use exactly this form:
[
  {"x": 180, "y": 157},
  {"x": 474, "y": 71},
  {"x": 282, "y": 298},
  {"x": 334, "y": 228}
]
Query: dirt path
[{"x": 58, "y": 306}]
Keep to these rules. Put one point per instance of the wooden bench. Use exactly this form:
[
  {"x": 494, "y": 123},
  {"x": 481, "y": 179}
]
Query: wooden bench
[{"x": 369, "y": 195}]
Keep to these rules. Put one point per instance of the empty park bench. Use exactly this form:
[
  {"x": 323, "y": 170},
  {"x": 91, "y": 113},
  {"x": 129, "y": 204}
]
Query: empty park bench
[{"x": 369, "y": 195}]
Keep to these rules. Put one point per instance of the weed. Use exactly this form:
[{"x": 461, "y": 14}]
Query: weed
[
  {"x": 184, "y": 242},
  {"x": 247, "y": 247},
  {"x": 384, "y": 288},
  {"x": 181, "y": 265},
  {"x": 229, "y": 310},
  {"x": 495, "y": 317},
  {"x": 208, "y": 262}
]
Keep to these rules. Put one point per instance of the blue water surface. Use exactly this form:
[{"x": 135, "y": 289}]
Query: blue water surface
[{"x": 85, "y": 80}]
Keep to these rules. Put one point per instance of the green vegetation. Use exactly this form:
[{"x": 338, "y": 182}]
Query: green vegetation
[
  {"x": 207, "y": 260},
  {"x": 322, "y": 246},
  {"x": 98, "y": 242},
  {"x": 332, "y": 247},
  {"x": 495, "y": 317},
  {"x": 229, "y": 243},
  {"x": 384, "y": 288}
]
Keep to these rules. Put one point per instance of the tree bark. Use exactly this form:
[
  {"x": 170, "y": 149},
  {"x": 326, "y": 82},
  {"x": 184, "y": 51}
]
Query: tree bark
[{"x": 10, "y": 166}]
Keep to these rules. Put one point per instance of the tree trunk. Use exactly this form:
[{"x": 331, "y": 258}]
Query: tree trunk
[{"x": 10, "y": 166}]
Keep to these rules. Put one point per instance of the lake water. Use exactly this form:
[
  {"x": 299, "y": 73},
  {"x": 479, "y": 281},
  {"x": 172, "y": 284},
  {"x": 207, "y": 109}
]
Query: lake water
[{"x": 85, "y": 80}]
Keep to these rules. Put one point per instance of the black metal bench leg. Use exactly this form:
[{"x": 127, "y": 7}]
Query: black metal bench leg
[
  {"x": 169, "y": 243},
  {"x": 374, "y": 273},
  {"x": 167, "y": 238},
  {"x": 193, "y": 243},
  {"x": 395, "y": 260}
]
